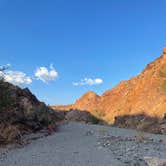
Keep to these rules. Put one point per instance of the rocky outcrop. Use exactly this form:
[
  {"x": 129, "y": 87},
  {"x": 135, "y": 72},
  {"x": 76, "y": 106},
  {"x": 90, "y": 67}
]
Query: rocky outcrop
[
  {"x": 88, "y": 101},
  {"x": 143, "y": 94},
  {"x": 84, "y": 116}
]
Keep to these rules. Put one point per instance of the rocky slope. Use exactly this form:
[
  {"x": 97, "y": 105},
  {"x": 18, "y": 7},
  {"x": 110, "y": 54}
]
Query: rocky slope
[
  {"x": 143, "y": 94},
  {"x": 21, "y": 112}
]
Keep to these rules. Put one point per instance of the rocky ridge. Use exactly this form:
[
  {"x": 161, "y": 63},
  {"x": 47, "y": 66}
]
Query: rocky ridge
[{"x": 143, "y": 94}]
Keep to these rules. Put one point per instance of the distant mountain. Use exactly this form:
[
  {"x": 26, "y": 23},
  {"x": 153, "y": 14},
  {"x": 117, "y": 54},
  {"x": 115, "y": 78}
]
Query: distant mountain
[{"x": 143, "y": 94}]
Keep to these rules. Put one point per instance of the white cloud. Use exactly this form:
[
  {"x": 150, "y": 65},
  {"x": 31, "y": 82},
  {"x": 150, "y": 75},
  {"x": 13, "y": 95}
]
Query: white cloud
[
  {"x": 45, "y": 75},
  {"x": 16, "y": 77},
  {"x": 88, "y": 81}
]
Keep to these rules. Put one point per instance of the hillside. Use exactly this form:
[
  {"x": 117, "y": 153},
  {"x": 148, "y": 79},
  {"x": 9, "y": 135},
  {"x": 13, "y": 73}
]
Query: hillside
[
  {"x": 143, "y": 94},
  {"x": 22, "y": 113}
]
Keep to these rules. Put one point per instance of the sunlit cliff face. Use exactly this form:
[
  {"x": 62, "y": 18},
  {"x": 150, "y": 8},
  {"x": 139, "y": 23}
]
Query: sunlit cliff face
[{"x": 145, "y": 93}]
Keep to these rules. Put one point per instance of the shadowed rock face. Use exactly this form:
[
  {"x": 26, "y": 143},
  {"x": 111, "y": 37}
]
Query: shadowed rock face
[{"x": 145, "y": 93}]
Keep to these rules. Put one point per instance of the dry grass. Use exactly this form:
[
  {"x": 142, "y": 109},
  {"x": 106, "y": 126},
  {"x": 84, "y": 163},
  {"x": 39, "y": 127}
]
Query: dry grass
[
  {"x": 140, "y": 122},
  {"x": 9, "y": 134}
]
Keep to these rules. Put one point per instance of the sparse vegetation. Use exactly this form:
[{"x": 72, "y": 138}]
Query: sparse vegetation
[
  {"x": 21, "y": 112},
  {"x": 99, "y": 113},
  {"x": 44, "y": 115},
  {"x": 140, "y": 122},
  {"x": 163, "y": 86},
  {"x": 149, "y": 126},
  {"x": 95, "y": 120},
  {"x": 162, "y": 73},
  {"x": 5, "y": 96},
  {"x": 9, "y": 133}
]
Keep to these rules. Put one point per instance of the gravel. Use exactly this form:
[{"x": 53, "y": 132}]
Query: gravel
[{"x": 79, "y": 144}]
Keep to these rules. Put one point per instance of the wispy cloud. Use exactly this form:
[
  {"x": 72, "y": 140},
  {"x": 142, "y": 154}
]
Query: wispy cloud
[
  {"x": 88, "y": 81},
  {"x": 16, "y": 77},
  {"x": 46, "y": 75}
]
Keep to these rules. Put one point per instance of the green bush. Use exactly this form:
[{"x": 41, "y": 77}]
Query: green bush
[
  {"x": 40, "y": 114},
  {"x": 95, "y": 120},
  {"x": 5, "y": 96}
]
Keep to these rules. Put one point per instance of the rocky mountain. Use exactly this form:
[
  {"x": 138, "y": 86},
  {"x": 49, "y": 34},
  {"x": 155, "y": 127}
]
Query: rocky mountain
[{"x": 143, "y": 94}]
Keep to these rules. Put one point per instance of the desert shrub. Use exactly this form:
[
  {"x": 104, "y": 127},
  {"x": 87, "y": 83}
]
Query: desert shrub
[
  {"x": 5, "y": 96},
  {"x": 9, "y": 133},
  {"x": 149, "y": 126},
  {"x": 22, "y": 113},
  {"x": 140, "y": 122},
  {"x": 95, "y": 120},
  {"x": 41, "y": 115},
  {"x": 44, "y": 117}
]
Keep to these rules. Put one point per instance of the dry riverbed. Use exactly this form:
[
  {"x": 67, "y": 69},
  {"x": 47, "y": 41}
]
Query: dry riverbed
[{"x": 79, "y": 144}]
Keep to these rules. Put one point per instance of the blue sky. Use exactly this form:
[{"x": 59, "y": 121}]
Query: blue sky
[{"x": 111, "y": 40}]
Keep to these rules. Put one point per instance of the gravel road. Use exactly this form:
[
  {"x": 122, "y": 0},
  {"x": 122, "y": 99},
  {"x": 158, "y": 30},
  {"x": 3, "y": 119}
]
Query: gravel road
[{"x": 79, "y": 144}]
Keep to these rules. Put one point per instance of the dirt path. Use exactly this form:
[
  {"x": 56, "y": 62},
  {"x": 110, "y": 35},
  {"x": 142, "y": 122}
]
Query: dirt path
[{"x": 79, "y": 144}]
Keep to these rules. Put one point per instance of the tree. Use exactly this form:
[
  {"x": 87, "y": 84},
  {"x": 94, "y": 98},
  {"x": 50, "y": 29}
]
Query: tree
[
  {"x": 5, "y": 97},
  {"x": 3, "y": 69}
]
